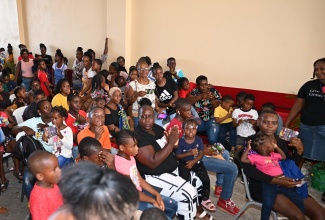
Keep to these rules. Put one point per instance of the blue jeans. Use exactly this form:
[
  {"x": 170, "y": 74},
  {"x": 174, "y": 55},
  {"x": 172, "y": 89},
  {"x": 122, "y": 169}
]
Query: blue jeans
[
  {"x": 170, "y": 205},
  {"x": 224, "y": 128},
  {"x": 135, "y": 121},
  {"x": 75, "y": 152},
  {"x": 26, "y": 83},
  {"x": 63, "y": 161},
  {"x": 212, "y": 129},
  {"x": 28, "y": 182},
  {"x": 226, "y": 173},
  {"x": 269, "y": 194}
]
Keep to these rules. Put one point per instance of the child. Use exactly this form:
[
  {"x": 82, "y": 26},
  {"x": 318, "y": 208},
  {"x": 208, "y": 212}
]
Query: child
[
  {"x": 223, "y": 116},
  {"x": 99, "y": 90},
  {"x": 44, "y": 82},
  {"x": 96, "y": 128},
  {"x": 184, "y": 87},
  {"x": 97, "y": 65},
  {"x": 34, "y": 85},
  {"x": 10, "y": 84},
  {"x": 59, "y": 136},
  {"x": 59, "y": 67},
  {"x": 244, "y": 120},
  {"x": 240, "y": 99},
  {"x": 173, "y": 73},
  {"x": 267, "y": 161},
  {"x": 19, "y": 101},
  {"x": 133, "y": 75},
  {"x": 76, "y": 120},
  {"x": 45, "y": 197},
  {"x": 62, "y": 90},
  {"x": 190, "y": 153},
  {"x": 121, "y": 62},
  {"x": 126, "y": 165}
]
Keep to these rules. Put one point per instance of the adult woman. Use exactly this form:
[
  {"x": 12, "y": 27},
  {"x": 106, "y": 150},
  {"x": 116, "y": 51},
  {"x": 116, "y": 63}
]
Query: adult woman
[
  {"x": 226, "y": 171},
  {"x": 311, "y": 103},
  {"x": 268, "y": 122},
  {"x": 142, "y": 87},
  {"x": 166, "y": 92},
  {"x": 115, "y": 116},
  {"x": 9, "y": 61},
  {"x": 157, "y": 162},
  {"x": 24, "y": 70},
  {"x": 205, "y": 100}
]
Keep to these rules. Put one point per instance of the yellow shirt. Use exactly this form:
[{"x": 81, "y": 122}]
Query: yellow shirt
[
  {"x": 220, "y": 112},
  {"x": 60, "y": 100}
]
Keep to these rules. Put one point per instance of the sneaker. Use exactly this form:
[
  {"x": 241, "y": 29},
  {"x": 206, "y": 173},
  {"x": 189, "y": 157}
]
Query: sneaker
[
  {"x": 217, "y": 191},
  {"x": 227, "y": 206}
]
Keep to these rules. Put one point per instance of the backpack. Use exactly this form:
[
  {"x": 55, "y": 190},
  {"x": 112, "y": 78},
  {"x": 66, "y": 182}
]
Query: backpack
[{"x": 25, "y": 146}]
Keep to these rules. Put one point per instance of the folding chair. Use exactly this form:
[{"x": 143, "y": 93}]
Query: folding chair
[{"x": 250, "y": 200}]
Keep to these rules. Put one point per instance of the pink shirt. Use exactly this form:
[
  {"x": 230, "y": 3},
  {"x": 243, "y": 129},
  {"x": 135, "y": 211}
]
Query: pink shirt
[
  {"x": 44, "y": 202},
  {"x": 267, "y": 164},
  {"x": 128, "y": 168},
  {"x": 26, "y": 68}
]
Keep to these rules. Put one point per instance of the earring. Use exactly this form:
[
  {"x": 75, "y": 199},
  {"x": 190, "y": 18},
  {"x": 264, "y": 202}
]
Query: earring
[{"x": 177, "y": 112}]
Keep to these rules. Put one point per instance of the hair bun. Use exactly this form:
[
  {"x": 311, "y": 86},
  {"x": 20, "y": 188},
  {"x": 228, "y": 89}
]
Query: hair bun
[
  {"x": 58, "y": 51},
  {"x": 80, "y": 49}
]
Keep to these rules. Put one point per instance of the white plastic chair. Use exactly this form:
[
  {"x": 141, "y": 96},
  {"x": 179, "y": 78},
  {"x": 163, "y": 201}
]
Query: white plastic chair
[
  {"x": 12, "y": 97},
  {"x": 18, "y": 114},
  {"x": 250, "y": 200}
]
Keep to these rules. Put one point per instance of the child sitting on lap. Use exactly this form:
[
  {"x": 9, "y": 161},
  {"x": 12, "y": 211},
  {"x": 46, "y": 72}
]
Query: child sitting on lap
[
  {"x": 190, "y": 153},
  {"x": 45, "y": 197},
  {"x": 126, "y": 165},
  {"x": 267, "y": 161}
]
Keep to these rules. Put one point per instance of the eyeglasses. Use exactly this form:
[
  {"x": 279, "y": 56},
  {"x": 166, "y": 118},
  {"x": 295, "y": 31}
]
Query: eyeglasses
[
  {"x": 144, "y": 69},
  {"x": 146, "y": 116},
  {"x": 98, "y": 116}
]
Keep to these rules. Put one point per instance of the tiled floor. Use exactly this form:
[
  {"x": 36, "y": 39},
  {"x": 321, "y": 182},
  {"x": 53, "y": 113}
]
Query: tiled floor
[{"x": 19, "y": 211}]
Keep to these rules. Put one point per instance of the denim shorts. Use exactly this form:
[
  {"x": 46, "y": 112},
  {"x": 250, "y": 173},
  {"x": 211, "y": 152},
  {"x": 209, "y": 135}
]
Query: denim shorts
[{"x": 313, "y": 139}]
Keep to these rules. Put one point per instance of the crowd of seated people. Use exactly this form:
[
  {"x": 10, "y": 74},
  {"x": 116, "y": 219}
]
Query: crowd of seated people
[{"x": 143, "y": 122}]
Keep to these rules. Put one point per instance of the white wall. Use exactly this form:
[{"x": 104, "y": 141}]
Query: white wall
[{"x": 9, "y": 26}]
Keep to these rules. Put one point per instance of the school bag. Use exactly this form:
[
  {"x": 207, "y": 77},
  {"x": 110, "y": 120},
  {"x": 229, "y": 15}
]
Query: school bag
[{"x": 25, "y": 146}]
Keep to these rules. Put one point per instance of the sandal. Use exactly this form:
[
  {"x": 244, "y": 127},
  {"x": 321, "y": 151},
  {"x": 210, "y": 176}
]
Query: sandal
[
  {"x": 208, "y": 205},
  {"x": 4, "y": 186},
  {"x": 203, "y": 214},
  {"x": 18, "y": 176}
]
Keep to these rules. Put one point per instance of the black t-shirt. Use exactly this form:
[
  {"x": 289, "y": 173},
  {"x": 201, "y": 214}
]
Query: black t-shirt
[
  {"x": 113, "y": 118},
  {"x": 145, "y": 139},
  {"x": 313, "y": 112},
  {"x": 166, "y": 93},
  {"x": 5, "y": 102}
]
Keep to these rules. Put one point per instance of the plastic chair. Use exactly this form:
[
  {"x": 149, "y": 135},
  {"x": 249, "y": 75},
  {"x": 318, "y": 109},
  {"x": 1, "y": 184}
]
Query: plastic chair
[
  {"x": 18, "y": 114},
  {"x": 250, "y": 200}
]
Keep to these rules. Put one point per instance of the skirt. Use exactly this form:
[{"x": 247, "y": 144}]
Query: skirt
[{"x": 313, "y": 139}]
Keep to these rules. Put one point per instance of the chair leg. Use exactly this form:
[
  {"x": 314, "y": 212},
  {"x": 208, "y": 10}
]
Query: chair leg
[
  {"x": 22, "y": 192},
  {"x": 242, "y": 210}
]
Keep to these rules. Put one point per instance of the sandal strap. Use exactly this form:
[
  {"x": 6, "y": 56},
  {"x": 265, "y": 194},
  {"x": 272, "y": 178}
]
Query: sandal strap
[{"x": 204, "y": 213}]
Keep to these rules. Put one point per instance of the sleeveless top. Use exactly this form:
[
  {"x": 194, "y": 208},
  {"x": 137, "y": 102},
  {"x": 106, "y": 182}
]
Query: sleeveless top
[
  {"x": 26, "y": 68},
  {"x": 113, "y": 118},
  {"x": 59, "y": 72}
]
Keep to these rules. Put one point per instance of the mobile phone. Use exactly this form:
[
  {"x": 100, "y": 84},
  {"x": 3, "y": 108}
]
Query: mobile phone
[{"x": 162, "y": 116}]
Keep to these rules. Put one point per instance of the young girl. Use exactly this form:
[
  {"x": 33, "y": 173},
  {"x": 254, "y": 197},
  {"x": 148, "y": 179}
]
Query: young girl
[
  {"x": 60, "y": 136},
  {"x": 184, "y": 87},
  {"x": 44, "y": 82},
  {"x": 34, "y": 85},
  {"x": 19, "y": 101},
  {"x": 99, "y": 90},
  {"x": 190, "y": 153},
  {"x": 59, "y": 67},
  {"x": 76, "y": 120},
  {"x": 267, "y": 161},
  {"x": 125, "y": 164},
  {"x": 62, "y": 91},
  {"x": 77, "y": 70}
]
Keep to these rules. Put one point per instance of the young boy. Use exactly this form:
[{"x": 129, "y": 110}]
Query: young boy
[
  {"x": 240, "y": 99},
  {"x": 45, "y": 197},
  {"x": 244, "y": 120},
  {"x": 97, "y": 128},
  {"x": 223, "y": 116},
  {"x": 10, "y": 85}
]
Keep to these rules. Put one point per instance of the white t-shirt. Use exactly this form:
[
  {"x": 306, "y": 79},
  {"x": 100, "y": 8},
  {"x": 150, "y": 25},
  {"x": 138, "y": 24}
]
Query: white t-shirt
[
  {"x": 245, "y": 129},
  {"x": 32, "y": 123}
]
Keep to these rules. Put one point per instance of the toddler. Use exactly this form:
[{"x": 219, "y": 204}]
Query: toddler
[
  {"x": 45, "y": 197},
  {"x": 60, "y": 136},
  {"x": 223, "y": 116},
  {"x": 190, "y": 153},
  {"x": 267, "y": 161},
  {"x": 126, "y": 165}
]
